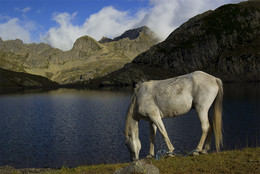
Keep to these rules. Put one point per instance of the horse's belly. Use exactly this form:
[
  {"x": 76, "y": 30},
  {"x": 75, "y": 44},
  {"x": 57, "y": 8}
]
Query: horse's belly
[{"x": 175, "y": 107}]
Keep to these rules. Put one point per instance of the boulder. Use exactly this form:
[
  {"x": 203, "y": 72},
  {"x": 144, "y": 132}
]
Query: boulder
[{"x": 143, "y": 166}]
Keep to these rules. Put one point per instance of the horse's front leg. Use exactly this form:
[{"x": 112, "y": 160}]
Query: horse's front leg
[
  {"x": 157, "y": 120},
  {"x": 153, "y": 129}
]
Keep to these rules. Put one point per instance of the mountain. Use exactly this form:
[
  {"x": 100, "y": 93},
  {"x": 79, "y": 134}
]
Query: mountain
[
  {"x": 224, "y": 42},
  {"x": 86, "y": 60},
  {"x": 11, "y": 79},
  {"x": 131, "y": 34}
]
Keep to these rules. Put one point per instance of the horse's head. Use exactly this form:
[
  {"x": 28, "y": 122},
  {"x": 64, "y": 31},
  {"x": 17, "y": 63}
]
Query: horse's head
[{"x": 134, "y": 146}]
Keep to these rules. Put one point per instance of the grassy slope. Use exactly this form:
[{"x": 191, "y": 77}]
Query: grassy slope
[
  {"x": 239, "y": 161},
  {"x": 22, "y": 80},
  {"x": 246, "y": 161}
]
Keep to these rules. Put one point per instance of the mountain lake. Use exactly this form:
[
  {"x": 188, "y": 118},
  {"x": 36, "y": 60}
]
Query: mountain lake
[{"x": 73, "y": 127}]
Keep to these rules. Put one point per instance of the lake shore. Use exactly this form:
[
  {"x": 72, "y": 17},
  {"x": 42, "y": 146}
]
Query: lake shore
[{"x": 235, "y": 161}]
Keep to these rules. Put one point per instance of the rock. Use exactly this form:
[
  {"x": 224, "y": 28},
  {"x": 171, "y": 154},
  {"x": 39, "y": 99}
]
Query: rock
[
  {"x": 141, "y": 166},
  {"x": 105, "y": 39},
  {"x": 134, "y": 33}
]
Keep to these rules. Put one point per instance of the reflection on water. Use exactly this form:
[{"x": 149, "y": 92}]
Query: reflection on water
[{"x": 76, "y": 127}]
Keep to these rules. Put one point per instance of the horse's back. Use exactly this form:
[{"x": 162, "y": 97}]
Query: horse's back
[{"x": 170, "y": 97}]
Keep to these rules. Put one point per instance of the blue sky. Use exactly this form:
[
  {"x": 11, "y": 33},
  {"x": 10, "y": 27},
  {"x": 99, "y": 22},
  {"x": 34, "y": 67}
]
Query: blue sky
[{"x": 60, "y": 22}]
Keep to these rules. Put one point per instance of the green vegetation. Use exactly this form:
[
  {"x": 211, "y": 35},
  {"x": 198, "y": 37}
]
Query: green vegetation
[
  {"x": 245, "y": 161},
  {"x": 237, "y": 161}
]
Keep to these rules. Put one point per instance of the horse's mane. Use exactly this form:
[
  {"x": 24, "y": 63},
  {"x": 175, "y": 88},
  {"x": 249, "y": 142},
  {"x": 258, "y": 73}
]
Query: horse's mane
[
  {"x": 137, "y": 86},
  {"x": 130, "y": 110}
]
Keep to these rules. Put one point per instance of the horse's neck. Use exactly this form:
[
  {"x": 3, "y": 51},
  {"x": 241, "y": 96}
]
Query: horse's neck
[{"x": 132, "y": 129}]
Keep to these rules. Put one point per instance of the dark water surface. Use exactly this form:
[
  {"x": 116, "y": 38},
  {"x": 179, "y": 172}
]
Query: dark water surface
[{"x": 79, "y": 127}]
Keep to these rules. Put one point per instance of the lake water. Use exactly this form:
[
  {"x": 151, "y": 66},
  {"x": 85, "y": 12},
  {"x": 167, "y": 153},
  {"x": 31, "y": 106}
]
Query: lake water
[{"x": 69, "y": 127}]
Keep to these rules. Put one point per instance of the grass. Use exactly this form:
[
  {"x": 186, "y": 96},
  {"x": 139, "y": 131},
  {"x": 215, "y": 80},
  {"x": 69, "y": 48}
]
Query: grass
[
  {"x": 94, "y": 169},
  {"x": 245, "y": 161},
  {"x": 236, "y": 161}
]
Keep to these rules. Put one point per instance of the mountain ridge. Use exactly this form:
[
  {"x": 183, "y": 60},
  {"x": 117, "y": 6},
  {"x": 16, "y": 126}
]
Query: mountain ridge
[{"x": 87, "y": 59}]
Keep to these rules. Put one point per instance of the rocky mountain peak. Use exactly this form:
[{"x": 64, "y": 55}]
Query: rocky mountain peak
[
  {"x": 105, "y": 39},
  {"x": 86, "y": 43},
  {"x": 15, "y": 42},
  {"x": 132, "y": 34},
  {"x": 13, "y": 45}
]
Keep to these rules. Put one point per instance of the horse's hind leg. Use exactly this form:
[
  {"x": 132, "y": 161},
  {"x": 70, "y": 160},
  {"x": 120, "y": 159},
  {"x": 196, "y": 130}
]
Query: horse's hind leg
[
  {"x": 153, "y": 129},
  {"x": 208, "y": 140},
  {"x": 203, "y": 116}
]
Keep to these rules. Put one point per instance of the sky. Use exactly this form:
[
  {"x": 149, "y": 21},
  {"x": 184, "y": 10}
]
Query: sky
[{"x": 60, "y": 22}]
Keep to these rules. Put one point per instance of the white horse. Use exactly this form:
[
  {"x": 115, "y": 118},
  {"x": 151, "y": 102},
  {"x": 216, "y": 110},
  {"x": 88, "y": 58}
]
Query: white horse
[{"x": 157, "y": 99}]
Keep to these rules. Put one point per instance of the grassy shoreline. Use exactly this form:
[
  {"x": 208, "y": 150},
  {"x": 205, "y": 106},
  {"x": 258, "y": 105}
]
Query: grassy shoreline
[{"x": 235, "y": 161}]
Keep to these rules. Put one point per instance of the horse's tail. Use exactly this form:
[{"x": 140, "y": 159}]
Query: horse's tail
[
  {"x": 217, "y": 117},
  {"x": 131, "y": 109}
]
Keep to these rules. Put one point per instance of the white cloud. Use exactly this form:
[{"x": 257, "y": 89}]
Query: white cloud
[
  {"x": 13, "y": 29},
  {"x": 18, "y": 28},
  {"x": 162, "y": 16},
  {"x": 65, "y": 34},
  {"x": 23, "y": 10},
  {"x": 107, "y": 22},
  {"x": 26, "y": 9}
]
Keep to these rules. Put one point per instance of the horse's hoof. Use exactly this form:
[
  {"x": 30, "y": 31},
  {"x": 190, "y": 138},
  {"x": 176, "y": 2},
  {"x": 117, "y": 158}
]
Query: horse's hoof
[
  {"x": 149, "y": 156},
  {"x": 204, "y": 152},
  {"x": 169, "y": 155},
  {"x": 195, "y": 153}
]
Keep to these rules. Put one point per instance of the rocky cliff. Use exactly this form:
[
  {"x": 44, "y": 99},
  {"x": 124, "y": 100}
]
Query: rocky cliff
[
  {"x": 224, "y": 42},
  {"x": 86, "y": 60}
]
